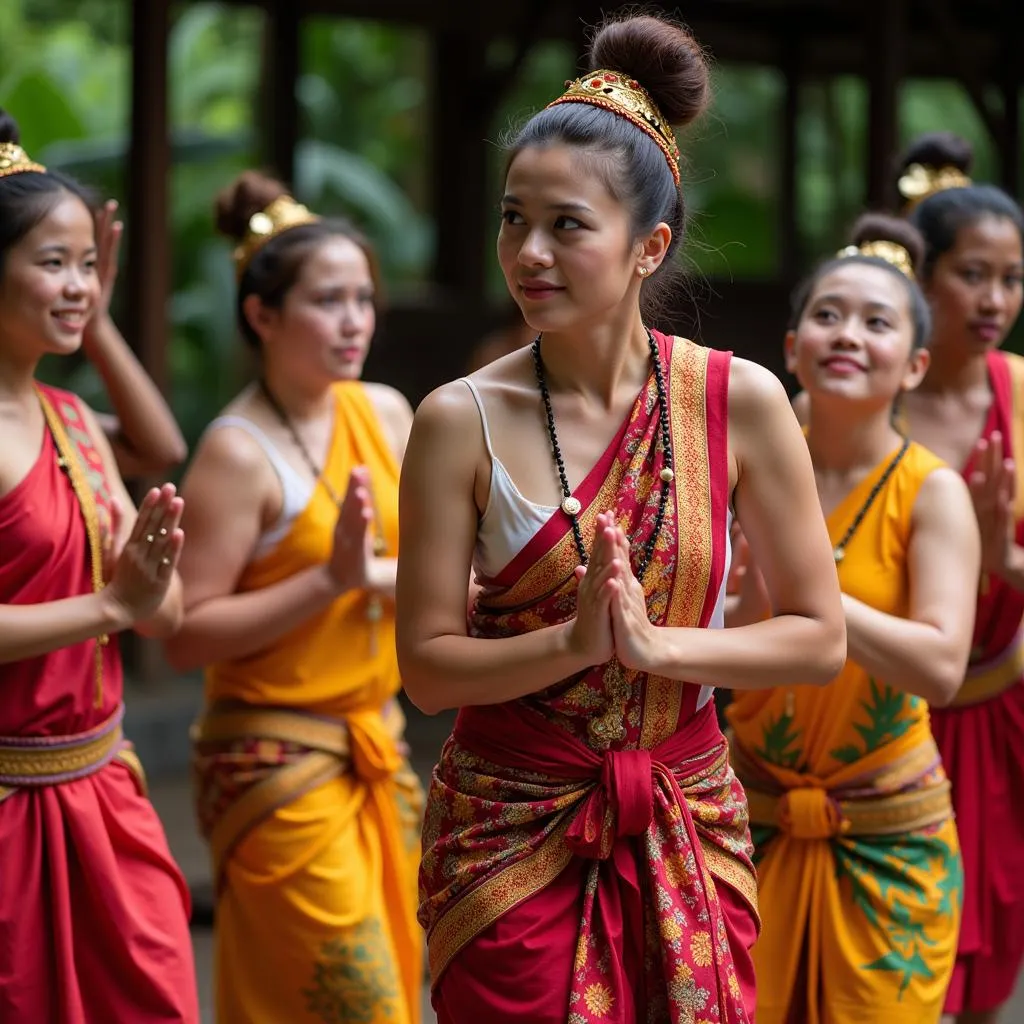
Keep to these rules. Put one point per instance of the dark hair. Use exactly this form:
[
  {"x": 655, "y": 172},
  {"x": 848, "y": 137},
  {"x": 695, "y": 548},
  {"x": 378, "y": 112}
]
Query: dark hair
[
  {"x": 28, "y": 196},
  {"x": 936, "y": 150},
  {"x": 876, "y": 227},
  {"x": 274, "y": 269},
  {"x": 668, "y": 62},
  {"x": 940, "y": 216}
]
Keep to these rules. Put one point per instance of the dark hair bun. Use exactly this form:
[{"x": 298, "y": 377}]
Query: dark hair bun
[
  {"x": 663, "y": 57},
  {"x": 249, "y": 193},
  {"x": 8, "y": 128},
  {"x": 938, "y": 149},
  {"x": 878, "y": 227}
]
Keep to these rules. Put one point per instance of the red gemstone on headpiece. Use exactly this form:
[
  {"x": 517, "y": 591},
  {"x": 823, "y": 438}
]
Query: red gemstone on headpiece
[
  {"x": 611, "y": 78},
  {"x": 596, "y": 83}
]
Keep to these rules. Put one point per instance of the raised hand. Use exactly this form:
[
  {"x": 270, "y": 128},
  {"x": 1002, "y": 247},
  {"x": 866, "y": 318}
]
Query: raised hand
[
  {"x": 143, "y": 569},
  {"x": 352, "y": 551},
  {"x": 634, "y": 634},
  {"x": 591, "y": 634},
  {"x": 993, "y": 483},
  {"x": 108, "y": 244}
]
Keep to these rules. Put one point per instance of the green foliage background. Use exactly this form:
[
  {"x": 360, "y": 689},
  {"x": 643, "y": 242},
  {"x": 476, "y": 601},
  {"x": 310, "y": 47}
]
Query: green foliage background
[{"x": 64, "y": 73}]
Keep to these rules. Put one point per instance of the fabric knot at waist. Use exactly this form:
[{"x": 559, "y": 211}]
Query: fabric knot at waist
[
  {"x": 809, "y": 813},
  {"x": 621, "y": 804}
]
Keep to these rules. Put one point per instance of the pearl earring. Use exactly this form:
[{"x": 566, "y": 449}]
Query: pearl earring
[{"x": 643, "y": 271}]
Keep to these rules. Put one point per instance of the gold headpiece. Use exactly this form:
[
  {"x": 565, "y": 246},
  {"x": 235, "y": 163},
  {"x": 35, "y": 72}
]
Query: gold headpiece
[
  {"x": 627, "y": 98},
  {"x": 14, "y": 160},
  {"x": 920, "y": 181},
  {"x": 891, "y": 252},
  {"x": 280, "y": 215}
]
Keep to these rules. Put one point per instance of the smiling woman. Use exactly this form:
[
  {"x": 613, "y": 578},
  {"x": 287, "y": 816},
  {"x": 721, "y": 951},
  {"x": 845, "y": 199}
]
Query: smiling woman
[
  {"x": 309, "y": 806},
  {"x": 93, "y": 911},
  {"x": 857, "y": 852},
  {"x": 586, "y": 847}
]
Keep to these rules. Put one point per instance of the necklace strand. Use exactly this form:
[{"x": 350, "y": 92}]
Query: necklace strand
[
  {"x": 570, "y": 505},
  {"x": 379, "y": 545},
  {"x": 839, "y": 551}
]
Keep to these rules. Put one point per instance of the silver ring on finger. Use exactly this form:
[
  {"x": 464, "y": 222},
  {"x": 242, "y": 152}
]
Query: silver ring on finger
[
  {"x": 150, "y": 538},
  {"x": 165, "y": 561},
  {"x": 163, "y": 531}
]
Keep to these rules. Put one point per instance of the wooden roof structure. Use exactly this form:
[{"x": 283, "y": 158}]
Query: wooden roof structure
[{"x": 882, "y": 41}]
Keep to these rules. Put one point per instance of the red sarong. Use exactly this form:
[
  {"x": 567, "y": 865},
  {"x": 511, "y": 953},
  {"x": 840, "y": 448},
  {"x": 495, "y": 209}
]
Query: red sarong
[
  {"x": 93, "y": 910},
  {"x": 981, "y": 740}
]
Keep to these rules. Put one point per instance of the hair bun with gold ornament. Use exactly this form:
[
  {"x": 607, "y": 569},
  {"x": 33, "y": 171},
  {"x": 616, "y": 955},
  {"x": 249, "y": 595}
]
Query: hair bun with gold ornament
[
  {"x": 13, "y": 158},
  {"x": 933, "y": 163},
  {"x": 891, "y": 239},
  {"x": 255, "y": 209}
]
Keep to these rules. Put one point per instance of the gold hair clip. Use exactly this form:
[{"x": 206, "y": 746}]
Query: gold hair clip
[
  {"x": 892, "y": 252},
  {"x": 278, "y": 216},
  {"x": 920, "y": 181},
  {"x": 14, "y": 160},
  {"x": 629, "y": 99}
]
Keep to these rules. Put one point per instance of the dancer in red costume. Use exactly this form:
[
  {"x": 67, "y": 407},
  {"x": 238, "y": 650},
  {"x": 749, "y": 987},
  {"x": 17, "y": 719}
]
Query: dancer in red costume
[
  {"x": 586, "y": 851},
  {"x": 93, "y": 911}
]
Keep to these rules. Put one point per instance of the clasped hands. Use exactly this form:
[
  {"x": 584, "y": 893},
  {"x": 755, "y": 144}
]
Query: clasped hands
[
  {"x": 993, "y": 486},
  {"x": 611, "y": 608}
]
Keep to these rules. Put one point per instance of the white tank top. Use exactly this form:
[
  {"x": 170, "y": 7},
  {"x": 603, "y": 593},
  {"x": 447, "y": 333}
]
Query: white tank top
[{"x": 296, "y": 491}]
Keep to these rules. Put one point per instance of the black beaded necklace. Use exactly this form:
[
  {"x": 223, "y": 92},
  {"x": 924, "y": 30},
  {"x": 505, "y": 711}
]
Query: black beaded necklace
[
  {"x": 570, "y": 505},
  {"x": 839, "y": 551}
]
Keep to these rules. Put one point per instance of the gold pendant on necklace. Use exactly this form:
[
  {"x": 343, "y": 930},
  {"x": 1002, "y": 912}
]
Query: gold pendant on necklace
[{"x": 380, "y": 546}]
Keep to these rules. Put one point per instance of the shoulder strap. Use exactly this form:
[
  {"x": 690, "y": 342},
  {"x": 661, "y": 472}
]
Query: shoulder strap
[{"x": 1015, "y": 364}]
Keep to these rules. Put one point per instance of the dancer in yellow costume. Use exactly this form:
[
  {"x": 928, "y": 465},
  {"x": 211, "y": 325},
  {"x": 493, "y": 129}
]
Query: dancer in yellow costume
[
  {"x": 858, "y": 858},
  {"x": 309, "y": 806}
]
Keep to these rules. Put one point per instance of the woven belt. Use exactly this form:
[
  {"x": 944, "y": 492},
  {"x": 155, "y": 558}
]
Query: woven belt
[
  {"x": 50, "y": 760},
  {"x": 813, "y": 813},
  {"x": 988, "y": 679}
]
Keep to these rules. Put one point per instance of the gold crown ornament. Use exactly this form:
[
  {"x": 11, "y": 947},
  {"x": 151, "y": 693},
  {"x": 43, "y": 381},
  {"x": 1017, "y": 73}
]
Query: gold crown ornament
[
  {"x": 627, "y": 98},
  {"x": 14, "y": 160},
  {"x": 892, "y": 252},
  {"x": 920, "y": 181},
  {"x": 278, "y": 216}
]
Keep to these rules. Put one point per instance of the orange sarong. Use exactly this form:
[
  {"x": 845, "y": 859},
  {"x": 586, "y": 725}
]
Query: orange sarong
[{"x": 859, "y": 873}]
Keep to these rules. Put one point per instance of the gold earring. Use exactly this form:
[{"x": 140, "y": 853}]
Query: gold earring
[{"x": 643, "y": 271}]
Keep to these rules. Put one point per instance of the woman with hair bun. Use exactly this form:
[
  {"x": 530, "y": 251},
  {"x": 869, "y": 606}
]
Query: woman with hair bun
[
  {"x": 93, "y": 910},
  {"x": 969, "y": 410},
  {"x": 587, "y": 856},
  {"x": 303, "y": 789},
  {"x": 859, "y": 871}
]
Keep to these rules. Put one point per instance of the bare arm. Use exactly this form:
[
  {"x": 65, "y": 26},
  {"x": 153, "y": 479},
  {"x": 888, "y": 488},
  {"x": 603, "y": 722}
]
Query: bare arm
[
  {"x": 142, "y": 432},
  {"x": 226, "y": 490},
  {"x": 442, "y": 667},
  {"x": 775, "y": 497},
  {"x": 926, "y": 653},
  {"x": 167, "y": 617}
]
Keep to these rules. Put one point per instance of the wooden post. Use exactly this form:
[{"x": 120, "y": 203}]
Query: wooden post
[
  {"x": 281, "y": 65},
  {"x": 885, "y": 41},
  {"x": 146, "y": 277},
  {"x": 788, "y": 227},
  {"x": 148, "y": 235}
]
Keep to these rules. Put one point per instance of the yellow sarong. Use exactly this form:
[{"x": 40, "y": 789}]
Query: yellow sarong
[
  {"x": 859, "y": 872},
  {"x": 310, "y": 807}
]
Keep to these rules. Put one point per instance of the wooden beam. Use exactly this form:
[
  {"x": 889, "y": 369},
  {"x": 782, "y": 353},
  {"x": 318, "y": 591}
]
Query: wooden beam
[
  {"x": 884, "y": 37},
  {"x": 787, "y": 225},
  {"x": 148, "y": 234},
  {"x": 147, "y": 268},
  {"x": 279, "y": 97}
]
